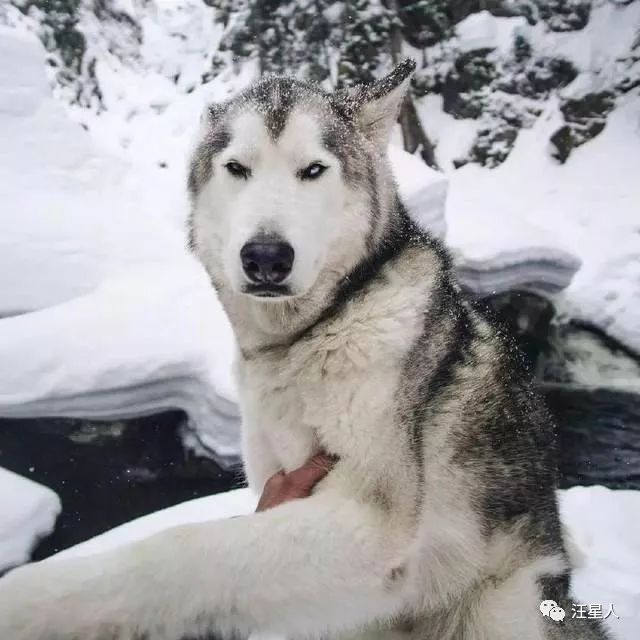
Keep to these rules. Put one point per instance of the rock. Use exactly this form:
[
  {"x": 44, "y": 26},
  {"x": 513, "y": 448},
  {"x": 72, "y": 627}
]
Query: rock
[
  {"x": 585, "y": 118},
  {"x": 562, "y": 143},
  {"x": 471, "y": 72},
  {"x": 493, "y": 145},
  {"x": 527, "y": 316},
  {"x": 565, "y": 15},
  {"x": 579, "y": 354},
  {"x": 593, "y": 106}
]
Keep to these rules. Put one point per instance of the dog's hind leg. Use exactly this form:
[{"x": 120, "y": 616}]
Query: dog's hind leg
[
  {"x": 510, "y": 609},
  {"x": 323, "y": 564}
]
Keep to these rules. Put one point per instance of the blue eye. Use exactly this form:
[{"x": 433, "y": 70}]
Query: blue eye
[
  {"x": 313, "y": 171},
  {"x": 237, "y": 170}
]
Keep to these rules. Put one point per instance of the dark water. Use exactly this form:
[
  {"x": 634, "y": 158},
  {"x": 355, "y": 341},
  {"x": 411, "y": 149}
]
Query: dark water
[
  {"x": 110, "y": 473},
  {"x": 107, "y": 473},
  {"x": 599, "y": 435}
]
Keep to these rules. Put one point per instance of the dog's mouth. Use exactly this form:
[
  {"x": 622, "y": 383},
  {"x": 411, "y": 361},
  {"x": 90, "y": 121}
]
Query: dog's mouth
[{"x": 267, "y": 290}]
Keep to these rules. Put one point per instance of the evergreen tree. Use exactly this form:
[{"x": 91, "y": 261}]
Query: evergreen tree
[
  {"x": 59, "y": 32},
  {"x": 365, "y": 41},
  {"x": 285, "y": 37},
  {"x": 424, "y": 22}
]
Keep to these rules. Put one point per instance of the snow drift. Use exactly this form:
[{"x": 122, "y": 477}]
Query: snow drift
[{"x": 29, "y": 512}]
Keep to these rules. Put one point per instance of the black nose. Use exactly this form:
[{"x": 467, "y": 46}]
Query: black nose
[{"x": 267, "y": 261}]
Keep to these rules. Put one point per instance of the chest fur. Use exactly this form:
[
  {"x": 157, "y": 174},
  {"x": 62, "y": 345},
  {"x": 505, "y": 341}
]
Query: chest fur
[{"x": 337, "y": 387}]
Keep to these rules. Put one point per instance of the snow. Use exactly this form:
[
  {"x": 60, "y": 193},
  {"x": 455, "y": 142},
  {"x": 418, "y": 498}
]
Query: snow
[
  {"x": 482, "y": 30},
  {"x": 29, "y": 512},
  {"x": 109, "y": 316},
  {"x": 71, "y": 213},
  {"x": 422, "y": 189},
  {"x": 604, "y": 527}
]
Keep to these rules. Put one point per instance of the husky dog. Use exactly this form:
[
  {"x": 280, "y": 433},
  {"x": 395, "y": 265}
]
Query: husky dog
[{"x": 439, "y": 521}]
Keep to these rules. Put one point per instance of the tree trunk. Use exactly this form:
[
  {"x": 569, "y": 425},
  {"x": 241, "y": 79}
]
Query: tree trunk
[{"x": 414, "y": 137}]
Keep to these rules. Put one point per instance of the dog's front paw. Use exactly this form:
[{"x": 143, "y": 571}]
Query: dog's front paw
[{"x": 57, "y": 601}]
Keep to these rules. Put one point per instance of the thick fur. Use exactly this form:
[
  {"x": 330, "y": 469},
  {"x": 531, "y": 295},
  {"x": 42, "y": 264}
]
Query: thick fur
[{"x": 440, "y": 519}]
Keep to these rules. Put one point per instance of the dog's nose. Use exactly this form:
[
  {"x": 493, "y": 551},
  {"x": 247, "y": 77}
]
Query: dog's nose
[{"x": 267, "y": 261}]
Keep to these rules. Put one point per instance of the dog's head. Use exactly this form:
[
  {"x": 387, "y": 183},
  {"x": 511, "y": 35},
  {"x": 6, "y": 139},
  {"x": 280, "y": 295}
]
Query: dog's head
[{"x": 289, "y": 183}]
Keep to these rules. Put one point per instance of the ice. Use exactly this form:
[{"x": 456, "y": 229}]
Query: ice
[{"x": 29, "y": 512}]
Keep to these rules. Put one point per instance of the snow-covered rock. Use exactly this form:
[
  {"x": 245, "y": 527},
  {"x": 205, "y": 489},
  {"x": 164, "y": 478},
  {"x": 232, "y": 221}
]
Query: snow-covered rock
[
  {"x": 29, "y": 512},
  {"x": 482, "y": 30},
  {"x": 147, "y": 340},
  {"x": 604, "y": 527},
  {"x": 422, "y": 189}
]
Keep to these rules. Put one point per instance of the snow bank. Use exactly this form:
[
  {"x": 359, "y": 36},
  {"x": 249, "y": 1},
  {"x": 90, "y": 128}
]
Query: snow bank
[
  {"x": 71, "y": 214},
  {"x": 560, "y": 216},
  {"x": 29, "y": 512},
  {"x": 603, "y": 524},
  {"x": 150, "y": 339},
  {"x": 123, "y": 320}
]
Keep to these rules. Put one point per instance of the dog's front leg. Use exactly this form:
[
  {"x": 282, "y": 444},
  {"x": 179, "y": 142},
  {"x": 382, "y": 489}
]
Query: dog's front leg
[{"x": 311, "y": 566}]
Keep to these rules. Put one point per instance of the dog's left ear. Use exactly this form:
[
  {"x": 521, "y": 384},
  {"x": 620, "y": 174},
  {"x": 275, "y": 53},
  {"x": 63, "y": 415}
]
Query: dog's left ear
[{"x": 378, "y": 104}]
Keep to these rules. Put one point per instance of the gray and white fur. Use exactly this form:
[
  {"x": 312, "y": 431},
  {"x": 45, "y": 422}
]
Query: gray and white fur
[{"x": 440, "y": 520}]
